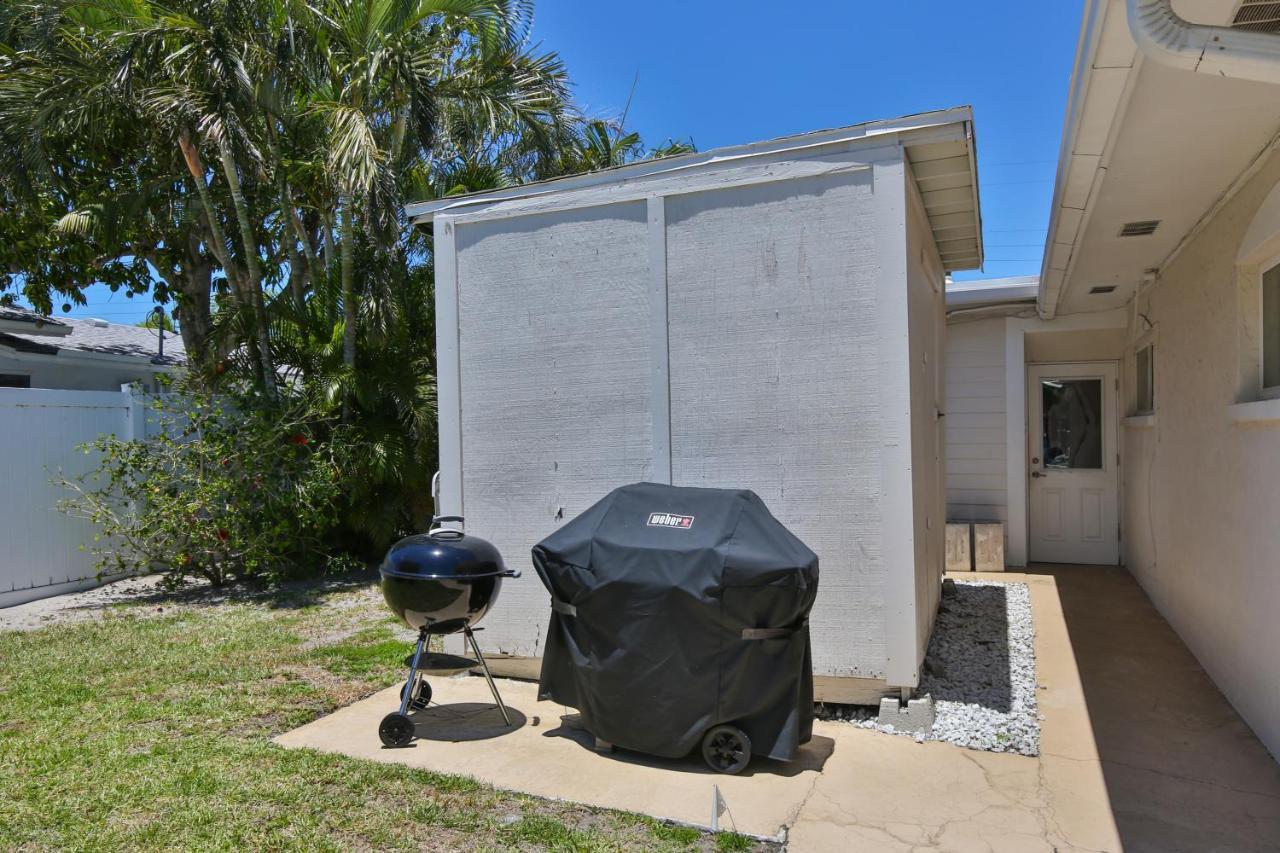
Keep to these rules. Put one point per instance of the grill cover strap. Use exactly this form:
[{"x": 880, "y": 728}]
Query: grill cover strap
[
  {"x": 563, "y": 607},
  {"x": 767, "y": 633}
]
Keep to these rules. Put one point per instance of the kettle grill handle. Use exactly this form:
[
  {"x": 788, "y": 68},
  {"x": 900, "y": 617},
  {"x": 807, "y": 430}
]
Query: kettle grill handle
[{"x": 437, "y": 531}]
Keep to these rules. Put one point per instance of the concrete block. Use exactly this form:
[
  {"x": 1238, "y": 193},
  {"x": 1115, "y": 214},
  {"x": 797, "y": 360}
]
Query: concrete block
[
  {"x": 916, "y": 716},
  {"x": 988, "y": 547},
  {"x": 958, "y": 554}
]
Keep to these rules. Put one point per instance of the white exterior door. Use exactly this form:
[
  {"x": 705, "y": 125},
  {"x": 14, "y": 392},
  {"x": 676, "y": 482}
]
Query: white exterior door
[{"x": 1072, "y": 462}]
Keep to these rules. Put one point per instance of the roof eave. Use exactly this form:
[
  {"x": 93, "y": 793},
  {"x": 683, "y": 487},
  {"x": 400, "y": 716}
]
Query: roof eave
[{"x": 421, "y": 213}]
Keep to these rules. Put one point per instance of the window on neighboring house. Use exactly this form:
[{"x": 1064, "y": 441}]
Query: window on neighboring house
[
  {"x": 14, "y": 380},
  {"x": 1145, "y": 381},
  {"x": 1271, "y": 330}
]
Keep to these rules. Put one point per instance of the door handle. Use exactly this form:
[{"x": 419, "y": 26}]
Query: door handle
[{"x": 1036, "y": 474}]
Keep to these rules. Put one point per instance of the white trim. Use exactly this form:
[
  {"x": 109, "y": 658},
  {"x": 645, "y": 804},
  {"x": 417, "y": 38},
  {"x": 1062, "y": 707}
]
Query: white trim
[
  {"x": 1139, "y": 421},
  {"x": 1015, "y": 426},
  {"x": 58, "y": 398},
  {"x": 1256, "y": 412},
  {"x": 1016, "y": 441},
  {"x": 659, "y": 342},
  {"x": 897, "y": 510},
  {"x": 448, "y": 369}
]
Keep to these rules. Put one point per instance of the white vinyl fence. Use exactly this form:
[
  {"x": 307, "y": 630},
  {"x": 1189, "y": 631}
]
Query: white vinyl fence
[{"x": 40, "y": 431}]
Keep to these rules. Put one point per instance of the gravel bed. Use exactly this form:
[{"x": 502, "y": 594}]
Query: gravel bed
[{"x": 980, "y": 670}]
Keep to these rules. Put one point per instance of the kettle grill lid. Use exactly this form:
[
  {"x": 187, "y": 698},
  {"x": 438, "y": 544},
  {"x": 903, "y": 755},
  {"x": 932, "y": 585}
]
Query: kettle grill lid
[{"x": 441, "y": 555}]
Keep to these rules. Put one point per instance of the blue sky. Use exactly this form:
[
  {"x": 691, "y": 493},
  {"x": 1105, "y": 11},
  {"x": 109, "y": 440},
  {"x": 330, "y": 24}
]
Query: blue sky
[{"x": 723, "y": 73}]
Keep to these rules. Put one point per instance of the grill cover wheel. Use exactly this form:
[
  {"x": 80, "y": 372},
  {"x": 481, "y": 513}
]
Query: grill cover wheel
[{"x": 726, "y": 749}]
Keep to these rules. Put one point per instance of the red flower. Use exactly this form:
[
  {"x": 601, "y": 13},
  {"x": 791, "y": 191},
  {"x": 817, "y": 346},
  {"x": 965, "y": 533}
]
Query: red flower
[{"x": 298, "y": 438}]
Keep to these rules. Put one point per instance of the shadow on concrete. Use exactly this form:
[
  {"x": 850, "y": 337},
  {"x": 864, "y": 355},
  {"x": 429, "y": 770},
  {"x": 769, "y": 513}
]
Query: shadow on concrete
[
  {"x": 465, "y": 721},
  {"x": 811, "y": 756},
  {"x": 1183, "y": 771}
]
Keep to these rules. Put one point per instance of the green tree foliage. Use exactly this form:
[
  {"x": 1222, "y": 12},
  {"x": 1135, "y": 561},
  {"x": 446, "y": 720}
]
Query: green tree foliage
[
  {"x": 251, "y": 159},
  {"x": 224, "y": 490}
]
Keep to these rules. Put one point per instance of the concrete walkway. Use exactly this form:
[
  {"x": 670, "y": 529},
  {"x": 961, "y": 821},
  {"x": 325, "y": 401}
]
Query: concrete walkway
[{"x": 1141, "y": 753}]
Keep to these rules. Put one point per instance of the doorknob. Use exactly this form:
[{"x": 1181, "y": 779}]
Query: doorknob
[{"x": 1036, "y": 474}]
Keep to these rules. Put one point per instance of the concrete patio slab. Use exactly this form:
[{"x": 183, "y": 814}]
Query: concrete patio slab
[
  {"x": 1139, "y": 753},
  {"x": 463, "y": 733}
]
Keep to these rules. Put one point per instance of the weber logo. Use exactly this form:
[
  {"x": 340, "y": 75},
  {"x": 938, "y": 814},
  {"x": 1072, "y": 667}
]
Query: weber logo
[{"x": 666, "y": 519}]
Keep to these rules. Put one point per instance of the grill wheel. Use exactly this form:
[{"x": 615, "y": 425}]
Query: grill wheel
[{"x": 726, "y": 749}]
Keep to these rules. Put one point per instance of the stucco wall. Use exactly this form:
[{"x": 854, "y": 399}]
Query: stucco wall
[{"x": 1201, "y": 494}]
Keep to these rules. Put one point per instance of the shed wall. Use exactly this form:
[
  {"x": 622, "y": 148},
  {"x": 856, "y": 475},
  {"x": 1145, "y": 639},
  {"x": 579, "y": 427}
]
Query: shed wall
[
  {"x": 926, "y": 315},
  {"x": 773, "y": 334},
  {"x": 554, "y": 342}
]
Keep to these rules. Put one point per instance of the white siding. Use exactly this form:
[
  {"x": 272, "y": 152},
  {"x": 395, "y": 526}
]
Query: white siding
[{"x": 975, "y": 421}]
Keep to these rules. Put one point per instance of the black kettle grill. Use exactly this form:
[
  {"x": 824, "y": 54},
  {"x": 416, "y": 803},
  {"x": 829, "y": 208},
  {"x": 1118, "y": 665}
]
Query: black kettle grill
[{"x": 440, "y": 582}]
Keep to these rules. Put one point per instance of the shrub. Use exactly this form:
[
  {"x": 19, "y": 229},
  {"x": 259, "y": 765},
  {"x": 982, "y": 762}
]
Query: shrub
[{"x": 226, "y": 488}]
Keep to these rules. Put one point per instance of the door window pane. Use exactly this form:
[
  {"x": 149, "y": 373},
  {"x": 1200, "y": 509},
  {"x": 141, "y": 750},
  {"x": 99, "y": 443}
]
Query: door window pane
[{"x": 1072, "y": 412}]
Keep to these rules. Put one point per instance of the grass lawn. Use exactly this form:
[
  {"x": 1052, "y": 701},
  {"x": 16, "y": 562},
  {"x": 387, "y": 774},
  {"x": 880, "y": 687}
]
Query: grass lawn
[{"x": 151, "y": 729}]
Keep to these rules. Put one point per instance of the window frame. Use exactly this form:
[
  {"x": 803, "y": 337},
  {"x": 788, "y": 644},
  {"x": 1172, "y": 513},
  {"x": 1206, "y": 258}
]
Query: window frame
[
  {"x": 1265, "y": 391},
  {"x": 1148, "y": 346}
]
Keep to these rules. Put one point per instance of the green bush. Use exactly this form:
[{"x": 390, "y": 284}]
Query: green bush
[{"x": 223, "y": 488}]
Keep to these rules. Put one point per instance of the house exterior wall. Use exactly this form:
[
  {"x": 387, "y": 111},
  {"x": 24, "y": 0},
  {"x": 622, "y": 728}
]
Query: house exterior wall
[
  {"x": 1200, "y": 491},
  {"x": 976, "y": 402},
  {"x": 770, "y": 295},
  {"x": 76, "y": 375}
]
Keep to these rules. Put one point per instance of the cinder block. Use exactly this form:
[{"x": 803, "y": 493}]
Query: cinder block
[
  {"x": 988, "y": 547},
  {"x": 958, "y": 554},
  {"x": 916, "y": 716}
]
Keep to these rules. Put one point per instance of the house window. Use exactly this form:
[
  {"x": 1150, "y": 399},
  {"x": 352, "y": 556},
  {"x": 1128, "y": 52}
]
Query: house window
[
  {"x": 14, "y": 380},
  {"x": 1271, "y": 331},
  {"x": 1144, "y": 384}
]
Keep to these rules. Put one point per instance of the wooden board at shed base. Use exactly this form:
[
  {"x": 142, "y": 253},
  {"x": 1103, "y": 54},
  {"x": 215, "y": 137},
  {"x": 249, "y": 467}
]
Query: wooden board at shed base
[
  {"x": 959, "y": 557},
  {"x": 988, "y": 547}
]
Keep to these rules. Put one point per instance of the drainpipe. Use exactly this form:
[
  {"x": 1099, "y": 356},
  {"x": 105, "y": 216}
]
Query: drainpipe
[{"x": 1164, "y": 37}]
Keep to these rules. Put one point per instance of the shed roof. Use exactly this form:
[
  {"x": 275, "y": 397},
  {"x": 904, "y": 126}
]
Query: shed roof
[{"x": 939, "y": 147}]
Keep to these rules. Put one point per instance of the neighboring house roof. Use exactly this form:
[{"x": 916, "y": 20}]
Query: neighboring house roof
[
  {"x": 938, "y": 145},
  {"x": 97, "y": 338},
  {"x": 992, "y": 291},
  {"x": 1148, "y": 151},
  {"x": 13, "y": 318}
]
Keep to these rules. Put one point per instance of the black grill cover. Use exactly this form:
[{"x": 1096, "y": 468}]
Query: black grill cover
[{"x": 652, "y": 590}]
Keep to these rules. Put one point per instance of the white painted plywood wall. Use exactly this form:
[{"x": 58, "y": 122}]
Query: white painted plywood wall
[
  {"x": 773, "y": 345},
  {"x": 926, "y": 315},
  {"x": 554, "y": 343}
]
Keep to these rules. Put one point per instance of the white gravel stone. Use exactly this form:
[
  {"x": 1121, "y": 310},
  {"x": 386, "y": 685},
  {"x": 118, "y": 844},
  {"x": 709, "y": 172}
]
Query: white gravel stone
[{"x": 980, "y": 670}]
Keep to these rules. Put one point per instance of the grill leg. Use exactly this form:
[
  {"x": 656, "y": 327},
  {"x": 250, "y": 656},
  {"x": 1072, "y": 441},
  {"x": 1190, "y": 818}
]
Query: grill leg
[
  {"x": 475, "y": 647},
  {"x": 407, "y": 700}
]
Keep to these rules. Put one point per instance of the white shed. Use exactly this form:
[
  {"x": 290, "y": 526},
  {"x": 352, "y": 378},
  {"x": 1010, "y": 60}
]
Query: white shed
[{"x": 768, "y": 316}]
